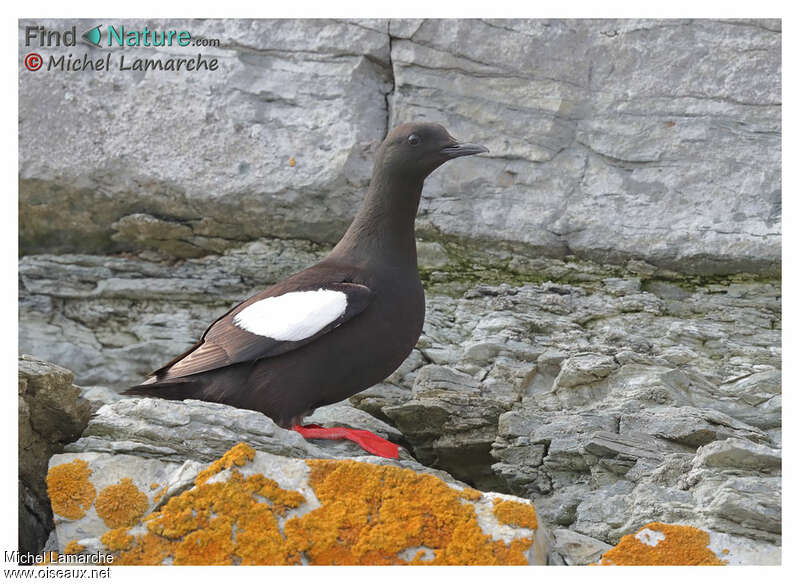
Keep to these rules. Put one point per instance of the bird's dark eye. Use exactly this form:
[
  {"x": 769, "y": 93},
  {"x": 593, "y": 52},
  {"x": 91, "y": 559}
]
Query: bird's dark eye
[{"x": 413, "y": 139}]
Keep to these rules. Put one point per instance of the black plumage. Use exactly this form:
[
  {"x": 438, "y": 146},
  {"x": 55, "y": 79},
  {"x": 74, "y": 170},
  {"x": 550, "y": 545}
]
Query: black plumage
[{"x": 365, "y": 301}]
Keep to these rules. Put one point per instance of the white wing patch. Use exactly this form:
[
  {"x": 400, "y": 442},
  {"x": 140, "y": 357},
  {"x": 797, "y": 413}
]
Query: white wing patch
[{"x": 293, "y": 316}]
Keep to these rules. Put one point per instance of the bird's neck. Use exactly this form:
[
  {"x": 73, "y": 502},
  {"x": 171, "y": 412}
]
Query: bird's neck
[{"x": 383, "y": 229}]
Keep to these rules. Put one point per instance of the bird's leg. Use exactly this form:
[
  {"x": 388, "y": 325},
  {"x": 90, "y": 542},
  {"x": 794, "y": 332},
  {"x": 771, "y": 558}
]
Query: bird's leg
[
  {"x": 364, "y": 438},
  {"x": 296, "y": 420}
]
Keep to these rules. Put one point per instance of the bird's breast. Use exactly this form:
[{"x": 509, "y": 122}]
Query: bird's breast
[{"x": 396, "y": 315}]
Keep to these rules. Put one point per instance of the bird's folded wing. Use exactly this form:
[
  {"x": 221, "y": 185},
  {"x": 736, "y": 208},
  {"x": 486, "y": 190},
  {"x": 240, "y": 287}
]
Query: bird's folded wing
[{"x": 268, "y": 326}]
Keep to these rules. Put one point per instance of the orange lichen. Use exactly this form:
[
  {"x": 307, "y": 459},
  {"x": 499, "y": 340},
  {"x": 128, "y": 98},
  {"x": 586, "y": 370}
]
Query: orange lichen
[
  {"x": 70, "y": 491},
  {"x": 154, "y": 486},
  {"x": 121, "y": 505},
  {"x": 222, "y": 522},
  {"x": 147, "y": 550},
  {"x": 515, "y": 514},
  {"x": 160, "y": 493},
  {"x": 471, "y": 494},
  {"x": 73, "y": 547},
  {"x": 211, "y": 545},
  {"x": 291, "y": 161},
  {"x": 682, "y": 545},
  {"x": 282, "y": 500},
  {"x": 117, "y": 539},
  {"x": 239, "y": 455},
  {"x": 369, "y": 514}
]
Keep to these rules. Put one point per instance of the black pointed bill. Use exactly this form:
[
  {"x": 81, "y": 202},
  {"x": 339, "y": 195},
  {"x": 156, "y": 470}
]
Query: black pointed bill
[{"x": 463, "y": 149}]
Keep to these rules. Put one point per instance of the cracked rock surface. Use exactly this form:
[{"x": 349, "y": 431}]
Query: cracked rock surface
[
  {"x": 52, "y": 413},
  {"x": 611, "y": 403},
  {"x": 610, "y": 139}
]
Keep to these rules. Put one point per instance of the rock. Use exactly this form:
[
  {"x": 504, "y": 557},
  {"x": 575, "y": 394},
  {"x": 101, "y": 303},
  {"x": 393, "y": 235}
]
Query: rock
[
  {"x": 684, "y": 545},
  {"x": 748, "y": 506},
  {"x": 143, "y": 484},
  {"x": 667, "y": 290},
  {"x": 114, "y": 320},
  {"x": 450, "y": 421},
  {"x": 173, "y": 431},
  {"x": 631, "y": 446},
  {"x": 51, "y": 414},
  {"x": 345, "y": 415},
  {"x": 577, "y": 549},
  {"x": 690, "y": 426},
  {"x": 87, "y": 313},
  {"x": 98, "y": 396},
  {"x": 584, "y": 369},
  {"x": 379, "y": 396},
  {"x": 145, "y": 231},
  {"x": 623, "y": 286},
  {"x": 736, "y": 453},
  {"x": 56, "y": 411},
  {"x": 730, "y": 486},
  {"x": 606, "y": 512},
  {"x": 434, "y": 381},
  {"x": 581, "y": 371},
  {"x": 754, "y": 398},
  {"x": 431, "y": 255},
  {"x": 740, "y": 551},
  {"x": 600, "y": 134},
  {"x": 488, "y": 416},
  {"x": 253, "y": 124},
  {"x": 252, "y": 507},
  {"x": 630, "y": 442},
  {"x": 548, "y": 366},
  {"x": 738, "y": 484},
  {"x": 597, "y": 135}
]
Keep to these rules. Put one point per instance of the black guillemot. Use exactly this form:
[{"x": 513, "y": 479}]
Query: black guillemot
[{"x": 336, "y": 328}]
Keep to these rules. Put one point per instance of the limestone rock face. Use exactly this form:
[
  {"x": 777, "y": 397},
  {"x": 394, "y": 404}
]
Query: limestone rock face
[
  {"x": 610, "y": 139},
  {"x": 51, "y": 414},
  {"x": 591, "y": 394},
  {"x": 587, "y": 122},
  {"x": 176, "y": 430},
  {"x": 450, "y": 423},
  {"x": 127, "y": 178},
  {"x": 114, "y": 320},
  {"x": 251, "y": 507}
]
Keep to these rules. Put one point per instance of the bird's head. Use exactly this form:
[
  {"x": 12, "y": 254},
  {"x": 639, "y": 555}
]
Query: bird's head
[{"x": 415, "y": 150}]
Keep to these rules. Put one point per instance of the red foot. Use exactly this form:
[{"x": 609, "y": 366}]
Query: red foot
[{"x": 364, "y": 438}]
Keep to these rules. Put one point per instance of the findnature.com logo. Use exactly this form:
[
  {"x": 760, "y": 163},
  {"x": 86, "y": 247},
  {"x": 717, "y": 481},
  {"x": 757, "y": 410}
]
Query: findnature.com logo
[{"x": 114, "y": 36}]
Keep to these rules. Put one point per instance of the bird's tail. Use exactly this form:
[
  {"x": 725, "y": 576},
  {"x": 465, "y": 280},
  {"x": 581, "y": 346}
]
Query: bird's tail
[{"x": 178, "y": 388}]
